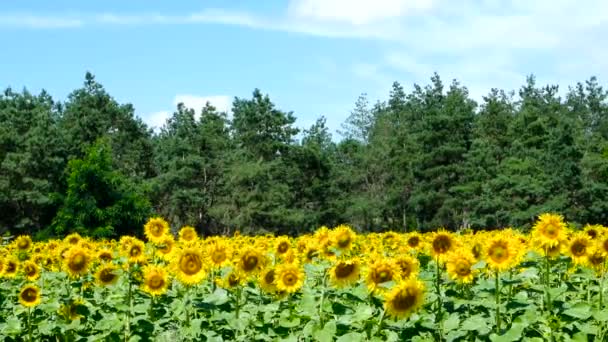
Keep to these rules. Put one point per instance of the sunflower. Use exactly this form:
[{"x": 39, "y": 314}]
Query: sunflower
[
  {"x": 251, "y": 260},
  {"x": 345, "y": 272},
  {"x": 105, "y": 255},
  {"x": 165, "y": 247},
  {"x": 72, "y": 239},
  {"x": 343, "y": 237},
  {"x": 289, "y": 277},
  {"x": 603, "y": 244},
  {"x": 267, "y": 280},
  {"x": 73, "y": 309},
  {"x": 188, "y": 234},
  {"x": 155, "y": 280},
  {"x": 549, "y": 230},
  {"x": 31, "y": 270},
  {"x": 107, "y": 275},
  {"x": 233, "y": 279},
  {"x": 460, "y": 266},
  {"x": 578, "y": 247},
  {"x": 381, "y": 271},
  {"x": 11, "y": 266},
  {"x": 155, "y": 229},
  {"x": 311, "y": 253},
  {"x": 219, "y": 253},
  {"x": 189, "y": 266},
  {"x": 29, "y": 295},
  {"x": 592, "y": 231},
  {"x": 414, "y": 240},
  {"x": 136, "y": 252},
  {"x": 23, "y": 242},
  {"x": 596, "y": 259},
  {"x": 501, "y": 252},
  {"x": 2, "y": 266},
  {"x": 405, "y": 298},
  {"x": 282, "y": 245},
  {"x": 407, "y": 265},
  {"x": 441, "y": 243},
  {"x": 77, "y": 261}
]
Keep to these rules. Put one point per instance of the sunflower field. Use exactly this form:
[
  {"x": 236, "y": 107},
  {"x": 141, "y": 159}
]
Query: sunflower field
[{"x": 333, "y": 285}]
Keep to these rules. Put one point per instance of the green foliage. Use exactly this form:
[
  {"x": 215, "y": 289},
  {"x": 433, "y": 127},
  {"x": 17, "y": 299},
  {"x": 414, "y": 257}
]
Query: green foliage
[{"x": 99, "y": 201}]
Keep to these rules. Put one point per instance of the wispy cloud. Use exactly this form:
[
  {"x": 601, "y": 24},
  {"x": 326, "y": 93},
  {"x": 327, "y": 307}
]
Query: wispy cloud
[
  {"x": 27, "y": 20},
  {"x": 222, "y": 103}
]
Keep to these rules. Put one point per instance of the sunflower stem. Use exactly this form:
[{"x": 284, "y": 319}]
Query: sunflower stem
[
  {"x": 601, "y": 301},
  {"x": 497, "y": 285},
  {"x": 438, "y": 288},
  {"x": 323, "y": 287},
  {"x": 380, "y": 322},
  {"x": 236, "y": 301},
  {"x": 130, "y": 305},
  {"x": 29, "y": 324},
  {"x": 548, "y": 281}
]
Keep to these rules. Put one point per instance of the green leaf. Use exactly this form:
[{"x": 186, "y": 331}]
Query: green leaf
[
  {"x": 451, "y": 323},
  {"x": 476, "y": 323},
  {"x": 580, "y": 310},
  {"x": 327, "y": 333},
  {"x": 352, "y": 337},
  {"x": 513, "y": 334}
]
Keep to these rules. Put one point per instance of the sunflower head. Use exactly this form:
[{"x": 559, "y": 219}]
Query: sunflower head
[
  {"x": 404, "y": 299},
  {"x": 73, "y": 310},
  {"x": 343, "y": 237},
  {"x": 188, "y": 234},
  {"x": 501, "y": 252},
  {"x": 408, "y": 266},
  {"x": 578, "y": 247},
  {"x": 166, "y": 247},
  {"x": 232, "y": 280},
  {"x": 460, "y": 266},
  {"x": 29, "y": 295},
  {"x": 72, "y": 239},
  {"x": 289, "y": 277},
  {"x": 31, "y": 270},
  {"x": 107, "y": 275},
  {"x": 381, "y": 271},
  {"x": 441, "y": 243},
  {"x": 267, "y": 280},
  {"x": 219, "y": 253},
  {"x": 105, "y": 255},
  {"x": 23, "y": 243},
  {"x": 76, "y": 262},
  {"x": 136, "y": 252},
  {"x": 155, "y": 229},
  {"x": 155, "y": 280},
  {"x": 345, "y": 272},
  {"x": 251, "y": 260},
  {"x": 11, "y": 266},
  {"x": 414, "y": 240},
  {"x": 549, "y": 230},
  {"x": 189, "y": 266},
  {"x": 282, "y": 245}
]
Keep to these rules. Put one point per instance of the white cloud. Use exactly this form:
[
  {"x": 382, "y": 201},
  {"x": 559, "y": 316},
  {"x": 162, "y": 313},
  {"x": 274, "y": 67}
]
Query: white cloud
[
  {"x": 21, "y": 20},
  {"x": 157, "y": 120},
  {"x": 357, "y": 12},
  {"x": 222, "y": 103}
]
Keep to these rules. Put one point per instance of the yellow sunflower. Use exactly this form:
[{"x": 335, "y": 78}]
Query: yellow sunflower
[
  {"x": 31, "y": 270},
  {"x": 23, "y": 242},
  {"x": 29, "y": 295},
  {"x": 11, "y": 266},
  {"x": 155, "y": 229},
  {"x": 381, "y": 271},
  {"x": 155, "y": 280},
  {"x": 408, "y": 266},
  {"x": 405, "y": 298},
  {"x": 414, "y": 241},
  {"x": 72, "y": 239},
  {"x": 233, "y": 279},
  {"x": 549, "y": 230},
  {"x": 578, "y": 246},
  {"x": 501, "y": 252},
  {"x": 76, "y": 262},
  {"x": 267, "y": 280},
  {"x": 189, "y": 266},
  {"x": 345, "y": 272},
  {"x": 289, "y": 277},
  {"x": 459, "y": 266},
  {"x": 136, "y": 252},
  {"x": 251, "y": 260},
  {"x": 343, "y": 237},
  {"x": 188, "y": 234},
  {"x": 2, "y": 266},
  {"x": 105, "y": 255},
  {"x": 107, "y": 275},
  {"x": 219, "y": 253},
  {"x": 592, "y": 231},
  {"x": 282, "y": 245},
  {"x": 72, "y": 310},
  {"x": 165, "y": 247},
  {"x": 441, "y": 243}
]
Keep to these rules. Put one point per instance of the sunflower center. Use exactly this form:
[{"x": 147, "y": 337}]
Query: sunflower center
[
  {"x": 135, "y": 251},
  {"x": 156, "y": 282},
  {"x": 190, "y": 264},
  {"x": 269, "y": 277},
  {"x": 404, "y": 301},
  {"x": 78, "y": 262},
  {"x": 290, "y": 279},
  {"x": 384, "y": 276},
  {"x": 157, "y": 230},
  {"x": 283, "y": 247},
  {"x": 592, "y": 233},
  {"x": 218, "y": 256},
  {"x": 463, "y": 268},
  {"x": 442, "y": 244},
  {"x": 233, "y": 280},
  {"x": 105, "y": 256},
  {"x": 30, "y": 270},
  {"x": 344, "y": 241},
  {"x": 311, "y": 253},
  {"x": 11, "y": 267},
  {"x": 498, "y": 253},
  {"x": 551, "y": 231},
  {"x": 107, "y": 276},
  {"x": 413, "y": 242},
  {"x": 596, "y": 259},
  {"x": 578, "y": 248},
  {"x": 476, "y": 251},
  {"x": 250, "y": 262},
  {"x": 343, "y": 270},
  {"x": 29, "y": 295},
  {"x": 605, "y": 245},
  {"x": 23, "y": 244}
]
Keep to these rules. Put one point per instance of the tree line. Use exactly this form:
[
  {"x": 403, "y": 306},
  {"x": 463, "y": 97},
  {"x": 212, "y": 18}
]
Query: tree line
[{"x": 429, "y": 158}]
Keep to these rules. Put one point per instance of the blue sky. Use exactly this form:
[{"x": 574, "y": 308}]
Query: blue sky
[{"x": 313, "y": 57}]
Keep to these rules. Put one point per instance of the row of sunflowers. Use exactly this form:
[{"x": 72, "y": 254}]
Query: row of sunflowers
[{"x": 335, "y": 284}]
